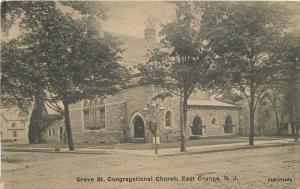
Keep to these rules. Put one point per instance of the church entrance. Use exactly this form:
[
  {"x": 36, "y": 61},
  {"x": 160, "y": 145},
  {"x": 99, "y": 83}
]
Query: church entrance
[
  {"x": 197, "y": 126},
  {"x": 228, "y": 127},
  {"x": 139, "y": 127}
]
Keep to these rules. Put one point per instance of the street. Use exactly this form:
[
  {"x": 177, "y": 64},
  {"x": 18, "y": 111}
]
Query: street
[{"x": 274, "y": 167}]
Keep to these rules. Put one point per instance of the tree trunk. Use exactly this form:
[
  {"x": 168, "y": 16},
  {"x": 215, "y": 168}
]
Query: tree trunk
[
  {"x": 36, "y": 120},
  {"x": 68, "y": 126},
  {"x": 252, "y": 110},
  {"x": 277, "y": 123},
  {"x": 296, "y": 130},
  {"x": 251, "y": 131},
  {"x": 182, "y": 125}
]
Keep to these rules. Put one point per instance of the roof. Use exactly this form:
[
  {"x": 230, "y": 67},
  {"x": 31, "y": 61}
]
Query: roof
[
  {"x": 210, "y": 102},
  {"x": 50, "y": 119}
]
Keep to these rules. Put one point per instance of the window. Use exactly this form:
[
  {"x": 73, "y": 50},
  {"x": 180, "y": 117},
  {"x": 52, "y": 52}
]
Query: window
[
  {"x": 86, "y": 103},
  {"x": 94, "y": 115},
  {"x": 13, "y": 124},
  {"x": 213, "y": 121},
  {"x": 267, "y": 113},
  {"x": 14, "y": 133},
  {"x": 53, "y": 132},
  {"x": 22, "y": 114},
  {"x": 49, "y": 132},
  {"x": 263, "y": 102},
  {"x": 101, "y": 121},
  {"x": 86, "y": 118},
  {"x": 168, "y": 118}
]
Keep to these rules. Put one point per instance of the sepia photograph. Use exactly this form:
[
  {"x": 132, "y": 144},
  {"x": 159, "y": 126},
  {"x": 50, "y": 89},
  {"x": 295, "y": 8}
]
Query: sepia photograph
[{"x": 150, "y": 94}]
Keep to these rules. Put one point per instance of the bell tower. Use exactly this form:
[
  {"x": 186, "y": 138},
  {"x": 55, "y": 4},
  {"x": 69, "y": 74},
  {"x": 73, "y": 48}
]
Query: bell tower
[{"x": 150, "y": 33}]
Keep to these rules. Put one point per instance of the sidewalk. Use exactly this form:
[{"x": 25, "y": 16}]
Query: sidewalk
[{"x": 163, "y": 152}]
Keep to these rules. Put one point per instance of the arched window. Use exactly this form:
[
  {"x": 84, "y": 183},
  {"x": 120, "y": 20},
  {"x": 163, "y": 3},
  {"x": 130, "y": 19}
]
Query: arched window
[
  {"x": 53, "y": 132},
  {"x": 61, "y": 132},
  {"x": 213, "y": 121},
  {"x": 94, "y": 115},
  {"x": 86, "y": 103},
  {"x": 197, "y": 126},
  {"x": 168, "y": 118}
]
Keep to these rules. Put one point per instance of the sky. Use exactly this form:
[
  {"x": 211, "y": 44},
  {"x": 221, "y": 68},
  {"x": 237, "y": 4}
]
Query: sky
[{"x": 129, "y": 17}]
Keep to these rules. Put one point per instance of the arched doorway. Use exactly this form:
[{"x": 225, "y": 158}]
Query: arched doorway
[
  {"x": 138, "y": 127},
  {"x": 228, "y": 127},
  {"x": 197, "y": 126}
]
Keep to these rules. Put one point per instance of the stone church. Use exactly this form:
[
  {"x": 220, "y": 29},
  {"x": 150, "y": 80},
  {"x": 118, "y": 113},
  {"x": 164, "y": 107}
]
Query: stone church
[{"x": 124, "y": 117}]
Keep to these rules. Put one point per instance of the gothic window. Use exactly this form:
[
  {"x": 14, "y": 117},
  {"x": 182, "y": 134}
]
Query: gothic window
[
  {"x": 86, "y": 118},
  {"x": 94, "y": 115},
  {"x": 168, "y": 118},
  {"x": 100, "y": 117},
  {"x": 213, "y": 121},
  {"x": 86, "y": 103},
  {"x": 267, "y": 113},
  {"x": 14, "y": 133},
  {"x": 263, "y": 102}
]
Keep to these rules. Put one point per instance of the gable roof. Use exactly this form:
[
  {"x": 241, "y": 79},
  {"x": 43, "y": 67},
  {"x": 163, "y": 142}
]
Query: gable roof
[{"x": 210, "y": 102}]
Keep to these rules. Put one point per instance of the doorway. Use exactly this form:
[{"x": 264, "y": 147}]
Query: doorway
[{"x": 139, "y": 127}]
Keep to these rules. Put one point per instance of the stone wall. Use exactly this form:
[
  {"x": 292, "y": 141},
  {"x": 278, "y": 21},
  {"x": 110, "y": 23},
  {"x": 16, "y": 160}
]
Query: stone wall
[
  {"x": 207, "y": 113},
  {"x": 114, "y": 131},
  {"x": 121, "y": 110}
]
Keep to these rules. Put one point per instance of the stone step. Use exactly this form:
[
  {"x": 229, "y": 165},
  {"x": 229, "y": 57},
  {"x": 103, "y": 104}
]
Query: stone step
[{"x": 137, "y": 140}]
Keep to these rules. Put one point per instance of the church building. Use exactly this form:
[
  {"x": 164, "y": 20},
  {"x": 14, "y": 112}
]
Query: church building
[{"x": 125, "y": 117}]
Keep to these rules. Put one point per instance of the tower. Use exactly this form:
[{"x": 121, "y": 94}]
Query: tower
[{"x": 150, "y": 33}]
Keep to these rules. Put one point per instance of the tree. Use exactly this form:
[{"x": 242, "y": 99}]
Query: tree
[
  {"x": 274, "y": 96},
  {"x": 23, "y": 77},
  {"x": 184, "y": 61},
  {"x": 72, "y": 58},
  {"x": 87, "y": 68},
  {"x": 290, "y": 84},
  {"x": 245, "y": 35}
]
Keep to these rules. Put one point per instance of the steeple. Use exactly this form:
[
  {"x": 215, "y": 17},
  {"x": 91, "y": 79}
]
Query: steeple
[{"x": 150, "y": 32}]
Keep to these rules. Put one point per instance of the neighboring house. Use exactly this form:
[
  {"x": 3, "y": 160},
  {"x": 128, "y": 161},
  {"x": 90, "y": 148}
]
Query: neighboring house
[
  {"x": 122, "y": 117},
  {"x": 14, "y": 125},
  {"x": 265, "y": 120}
]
